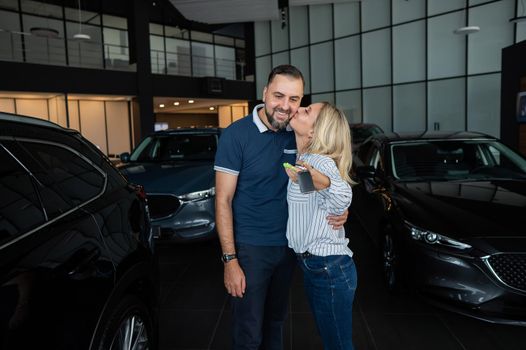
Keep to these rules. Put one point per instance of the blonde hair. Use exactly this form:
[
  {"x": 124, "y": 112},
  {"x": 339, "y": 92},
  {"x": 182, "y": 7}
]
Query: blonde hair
[{"x": 332, "y": 138}]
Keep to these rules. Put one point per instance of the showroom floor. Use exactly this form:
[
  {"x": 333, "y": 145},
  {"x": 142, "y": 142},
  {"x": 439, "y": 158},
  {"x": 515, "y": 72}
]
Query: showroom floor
[{"x": 195, "y": 309}]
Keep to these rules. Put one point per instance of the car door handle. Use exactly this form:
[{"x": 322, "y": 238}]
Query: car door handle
[{"x": 81, "y": 264}]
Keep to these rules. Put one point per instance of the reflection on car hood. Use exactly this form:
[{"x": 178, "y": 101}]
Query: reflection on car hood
[
  {"x": 465, "y": 209},
  {"x": 171, "y": 177}
]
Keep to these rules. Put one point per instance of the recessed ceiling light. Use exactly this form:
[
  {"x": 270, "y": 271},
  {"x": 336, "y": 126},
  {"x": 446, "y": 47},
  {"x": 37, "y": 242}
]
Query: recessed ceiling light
[
  {"x": 211, "y": 108},
  {"x": 161, "y": 105},
  {"x": 191, "y": 101},
  {"x": 176, "y": 103},
  {"x": 467, "y": 30}
]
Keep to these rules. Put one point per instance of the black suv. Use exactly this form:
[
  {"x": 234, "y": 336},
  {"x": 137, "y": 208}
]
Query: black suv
[{"x": 76, "y": 256}]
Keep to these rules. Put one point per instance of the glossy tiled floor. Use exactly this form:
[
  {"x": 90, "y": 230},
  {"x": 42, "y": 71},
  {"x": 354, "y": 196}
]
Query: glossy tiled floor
[{"x": 195, "y": 310}]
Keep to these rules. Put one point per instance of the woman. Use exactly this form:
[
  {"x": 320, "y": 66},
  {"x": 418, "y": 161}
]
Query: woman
[{"x": 324, "y": 148}]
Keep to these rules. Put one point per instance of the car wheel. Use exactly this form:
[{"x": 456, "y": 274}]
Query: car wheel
[
  {"x": 390, "y": 264},
  {"x": 129, "y": 327}
]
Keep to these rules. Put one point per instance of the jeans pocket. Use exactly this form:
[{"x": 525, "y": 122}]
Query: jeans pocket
[{"x": 315, "y": 264}]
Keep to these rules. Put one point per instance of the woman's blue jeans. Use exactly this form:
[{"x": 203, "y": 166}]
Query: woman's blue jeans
[{"x": 330, "y": 283}]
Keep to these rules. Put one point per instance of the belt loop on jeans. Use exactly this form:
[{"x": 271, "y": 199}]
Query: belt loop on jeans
[{"x": 304, "y": 255}]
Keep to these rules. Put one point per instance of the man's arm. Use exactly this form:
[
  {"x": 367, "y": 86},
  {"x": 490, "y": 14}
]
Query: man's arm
[{"x": 234, "y": 277}]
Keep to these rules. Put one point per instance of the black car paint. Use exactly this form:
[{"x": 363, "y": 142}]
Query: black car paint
[
  {"x": 455, "y": 279},
  {"x": 61, "y": 280}
]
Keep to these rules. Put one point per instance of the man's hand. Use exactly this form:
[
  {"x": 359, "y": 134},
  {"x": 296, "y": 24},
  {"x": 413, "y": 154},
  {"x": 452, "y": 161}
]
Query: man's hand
[
  {"x": 337, "y": 222},
  {"x": 235, "y": 282}
]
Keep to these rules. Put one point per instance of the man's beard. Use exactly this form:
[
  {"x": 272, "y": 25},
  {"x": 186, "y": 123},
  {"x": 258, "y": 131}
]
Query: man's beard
[{"x": 277, "y": 124}]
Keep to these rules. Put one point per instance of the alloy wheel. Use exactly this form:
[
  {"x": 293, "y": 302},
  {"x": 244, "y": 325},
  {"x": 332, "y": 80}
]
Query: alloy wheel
[{"x": 131, "y": 335}]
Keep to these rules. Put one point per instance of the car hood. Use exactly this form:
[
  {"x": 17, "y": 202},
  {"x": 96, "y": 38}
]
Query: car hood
[
  {"x": 489, "y": 209},
  {"x": 171, "y": 177}
]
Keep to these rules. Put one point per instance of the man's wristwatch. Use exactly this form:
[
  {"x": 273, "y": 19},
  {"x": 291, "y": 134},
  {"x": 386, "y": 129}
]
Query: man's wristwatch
[{"x": 227, "y": 257}]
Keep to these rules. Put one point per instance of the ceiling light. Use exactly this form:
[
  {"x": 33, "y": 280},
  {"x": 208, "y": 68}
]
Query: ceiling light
[
  {"x": 191, "y": 101},
  {"x": 211, "y": 108},
  {"x": 467, "y": 30},
  {"x": 161, "y": 105},
  {"x": 176, "y": 103},
  {"x": 518, "y": 19},
  {"x": 44, "y": 32}
]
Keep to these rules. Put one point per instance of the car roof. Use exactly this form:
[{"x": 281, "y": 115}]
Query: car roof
[
  {"x": 30, "y": 121},
  {"x": 431, "y": 135}
]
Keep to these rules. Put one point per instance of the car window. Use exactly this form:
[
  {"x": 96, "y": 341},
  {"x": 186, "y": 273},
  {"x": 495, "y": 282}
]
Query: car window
[
  {"x": 176, "y": 147},
  {"x": 65, "y": 179},
  {"x": 20, "y": 209}
]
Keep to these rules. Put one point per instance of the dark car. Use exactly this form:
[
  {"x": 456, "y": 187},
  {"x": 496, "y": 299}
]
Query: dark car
[
  {"x": 176, "y": 168},
  {"x": 76, "y": 259},
  {"x": 448, "y": 211}
]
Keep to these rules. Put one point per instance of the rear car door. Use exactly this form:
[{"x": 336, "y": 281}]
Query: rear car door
[{"x": 56, "y": 269}]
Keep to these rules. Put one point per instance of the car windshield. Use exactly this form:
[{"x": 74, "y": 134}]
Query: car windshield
[
  {"x": 450, "y": 160},
  {"x": 175, "y": 147},
  {"x": 361, "y": 133}
]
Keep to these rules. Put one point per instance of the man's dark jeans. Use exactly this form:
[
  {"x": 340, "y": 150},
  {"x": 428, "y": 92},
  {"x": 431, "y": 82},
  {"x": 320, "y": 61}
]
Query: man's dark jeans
[{"x": 258, "y": 317}]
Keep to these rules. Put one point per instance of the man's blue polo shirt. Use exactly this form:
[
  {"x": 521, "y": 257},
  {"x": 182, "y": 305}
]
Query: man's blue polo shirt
[{"x": 255, "y": 154}]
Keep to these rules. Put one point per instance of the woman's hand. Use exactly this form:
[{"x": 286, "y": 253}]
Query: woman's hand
[
  {"x": 293, "y": 175},
  {"x": 320, "y": 181}
]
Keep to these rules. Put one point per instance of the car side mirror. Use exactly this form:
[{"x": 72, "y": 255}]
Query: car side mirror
[
  {"x": 366, "y": 172},
  {"x": 125, "y": 157}
]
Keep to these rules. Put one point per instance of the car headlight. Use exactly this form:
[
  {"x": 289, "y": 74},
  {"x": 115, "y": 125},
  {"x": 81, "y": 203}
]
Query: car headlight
[
  {"x": 199, "y": 195},
  {"x": 434, "y": 238}
]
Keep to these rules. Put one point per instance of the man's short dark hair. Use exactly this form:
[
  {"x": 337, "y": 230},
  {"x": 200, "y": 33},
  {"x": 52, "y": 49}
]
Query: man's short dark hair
[{"x": 285, "y": 69}]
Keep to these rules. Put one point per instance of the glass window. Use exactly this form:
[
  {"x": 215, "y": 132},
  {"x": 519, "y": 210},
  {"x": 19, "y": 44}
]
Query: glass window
[
  {"x": 350, "y": 103},
  {"x": 176, "y": 32},
  {"x": 404, "y": 10},
  {"x": 448, "y": 116},
  {"x": 301, "y": 60},
  {"x": 376, "y": 57},
  {"x": 84, "y": 53},
  {"x": 440, "y": 6},
  {"x": 200, "y": 36},
  {"x": 225, "y": 62},
  {"x": 115, "y": 22},
  {"x": 41, "y": 47},
  {"x": 20, "y": 209},
  {"x": 521, "y": 31},
  {"x": 485, "y": 49},
  {"x": 178, "y": 57},
  {"x": 65, "y": 179},
  {"x": 202, "y": 60},
  {"x": 320, "y": 23},
  {"x": 178, "y": 146},
  {"x": 157, "y": 54},
  {"x": 377, "y": 107},
  {"x": 280, "y": 36},
  {"x": 298, "y": 26},
  {"x": 446, "y": 51},
  {"x": 346, "y": 19},
  {"x": 223, "y": 40},
  {"x": 9, "y": 4},
  {"x": 87, "y": 17},
  {"x": 409, "y": 52},
  {"x": 409, "y": 107},
  {"x": 263, "y": 68},
  {"x": 321, "y": 56},
  {"x": 116, "y": 52},
  {"x": 484, "y": 104},
  {"x": 375, "y": 14},
  {"x": 240, "y": 43},
  {"x": 347, "y": 63},
  {"x": 262, "y": 38},
  {"x": 322, "y": 98},
  {"x": 10, "y": 39},
  {"x": 41, "y": 8},
  {"x": 156, "y": 29}
]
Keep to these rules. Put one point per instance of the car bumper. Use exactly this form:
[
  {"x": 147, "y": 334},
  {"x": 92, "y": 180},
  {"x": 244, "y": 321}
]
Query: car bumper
[
  {"x": 192, "y": 221},
  {"x": 467, "y": 285}
]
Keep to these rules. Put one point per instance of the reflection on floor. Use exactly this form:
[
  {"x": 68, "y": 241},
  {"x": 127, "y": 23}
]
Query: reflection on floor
[{"x": 195, "y": 311}]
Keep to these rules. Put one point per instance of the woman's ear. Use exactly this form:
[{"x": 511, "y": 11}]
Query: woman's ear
[{"x": 310, "y": 135}]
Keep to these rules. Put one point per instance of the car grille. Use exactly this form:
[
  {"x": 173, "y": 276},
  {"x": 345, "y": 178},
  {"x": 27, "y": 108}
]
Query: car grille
[
  {"x": 162, "y": 205},
  {"x": 510, "y": 268}
]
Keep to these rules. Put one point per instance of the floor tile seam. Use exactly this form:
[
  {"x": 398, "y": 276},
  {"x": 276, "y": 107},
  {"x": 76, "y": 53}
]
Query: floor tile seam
[
  {"x": 216, "y": 326},
  {"x": 450, "y": 331},
  {"x": 367, "y": 327}
]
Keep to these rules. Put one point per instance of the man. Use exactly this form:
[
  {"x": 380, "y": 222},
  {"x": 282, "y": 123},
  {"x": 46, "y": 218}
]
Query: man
[{"x": 251, "y": 212}]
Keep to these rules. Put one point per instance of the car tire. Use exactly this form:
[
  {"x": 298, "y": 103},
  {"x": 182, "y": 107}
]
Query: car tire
[
  {"x": 129, "y": 317},
  {"x": 390, "y": 264}
]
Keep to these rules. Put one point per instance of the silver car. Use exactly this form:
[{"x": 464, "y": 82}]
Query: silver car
[{"x": 176, "y": 168}]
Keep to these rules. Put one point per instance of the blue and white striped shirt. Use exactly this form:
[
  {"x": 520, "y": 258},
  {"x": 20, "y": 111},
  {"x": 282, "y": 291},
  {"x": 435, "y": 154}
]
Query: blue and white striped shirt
[{"x": 307, "y": 227}]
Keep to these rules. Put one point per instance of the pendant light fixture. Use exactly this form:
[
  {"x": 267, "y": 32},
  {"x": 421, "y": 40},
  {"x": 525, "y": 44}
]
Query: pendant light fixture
[{"x": 80, "y": 35}]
